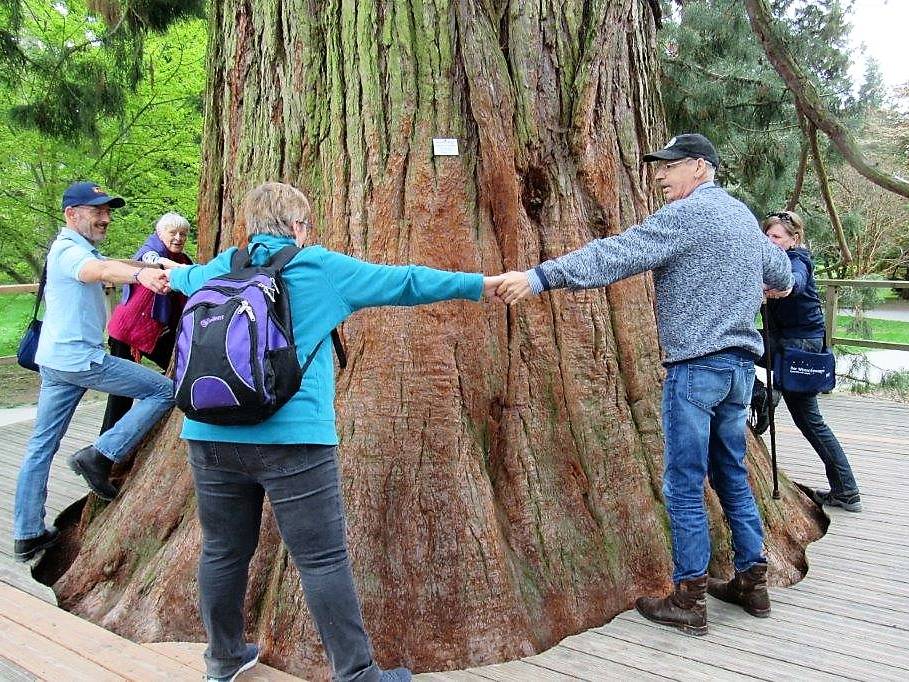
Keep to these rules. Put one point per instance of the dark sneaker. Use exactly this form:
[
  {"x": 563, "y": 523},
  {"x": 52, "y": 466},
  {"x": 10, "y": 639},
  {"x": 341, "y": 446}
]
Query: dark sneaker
[
  {"x": 24, "y": 550},
  {"x": 852, "y": 503},
  {"x": 395, "y": 675},
  {"x": 95, "y": 468},
  {"x": 250, "y": 658}
]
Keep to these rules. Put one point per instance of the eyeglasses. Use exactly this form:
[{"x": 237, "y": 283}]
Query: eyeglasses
[
  {"x": 782, "y": 215},
  {"x": 670, "y": 164},
  {"x": 305, "y": 222}
]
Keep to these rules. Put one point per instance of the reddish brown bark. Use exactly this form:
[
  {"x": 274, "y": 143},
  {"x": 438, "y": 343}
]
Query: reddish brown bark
[{"x": 501, "y": 467}]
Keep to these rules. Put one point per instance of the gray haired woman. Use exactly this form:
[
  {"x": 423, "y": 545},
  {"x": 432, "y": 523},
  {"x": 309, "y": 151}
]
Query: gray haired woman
[
  {"x": 291, "y": 457},
  {"x": 143, "y": 324}
]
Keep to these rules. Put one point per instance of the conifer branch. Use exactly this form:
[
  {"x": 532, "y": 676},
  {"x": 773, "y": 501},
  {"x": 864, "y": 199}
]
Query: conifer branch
[
  {"x": 800, "y": 173},
  {"x": 809, "y": 101},
  {"x": 824, "y": 183}
]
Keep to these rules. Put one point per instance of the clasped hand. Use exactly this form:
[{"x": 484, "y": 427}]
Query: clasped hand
[{"x": 508, "y": 287}]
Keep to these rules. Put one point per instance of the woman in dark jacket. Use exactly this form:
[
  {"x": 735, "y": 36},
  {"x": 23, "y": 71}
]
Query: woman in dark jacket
[
  {"x": 796, "y": 320},
  {"x": 143, "y": 324}
]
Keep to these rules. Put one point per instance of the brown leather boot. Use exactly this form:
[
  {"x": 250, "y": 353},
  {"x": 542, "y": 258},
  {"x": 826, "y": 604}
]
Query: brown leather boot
[
  {"x": 747, "y": 589},
  {"x": 685, "y": 608}
]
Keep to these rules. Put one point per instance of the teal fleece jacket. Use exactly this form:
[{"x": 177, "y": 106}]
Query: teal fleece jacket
[{"x": 324, "y": 289}]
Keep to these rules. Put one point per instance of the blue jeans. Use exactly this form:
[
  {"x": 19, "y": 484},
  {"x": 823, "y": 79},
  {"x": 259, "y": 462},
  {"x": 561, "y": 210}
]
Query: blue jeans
[
  {"x": 704, "y": 404},
  {"x": 807, "y": 417},
  {"x": 303, "y": 486},
  {"x": 57, "y": 400}
]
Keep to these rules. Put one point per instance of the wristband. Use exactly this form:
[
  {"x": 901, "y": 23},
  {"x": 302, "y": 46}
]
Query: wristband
[{"x": 136, "y": 274}]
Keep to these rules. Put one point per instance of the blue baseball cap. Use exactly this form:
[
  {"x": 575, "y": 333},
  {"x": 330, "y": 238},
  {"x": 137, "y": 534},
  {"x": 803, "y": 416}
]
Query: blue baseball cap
[{"x": 89, "y": 194}]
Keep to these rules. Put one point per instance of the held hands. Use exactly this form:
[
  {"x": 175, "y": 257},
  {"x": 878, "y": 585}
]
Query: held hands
[
  {"x": 776, "y": 293},
  {"x": 514, "y": 286},
  {"x": 156, "y": 280},
  {"x": 490, "y": 284}
]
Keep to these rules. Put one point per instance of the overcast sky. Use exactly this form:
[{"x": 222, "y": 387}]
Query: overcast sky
[{"x": 883, "y": 27}]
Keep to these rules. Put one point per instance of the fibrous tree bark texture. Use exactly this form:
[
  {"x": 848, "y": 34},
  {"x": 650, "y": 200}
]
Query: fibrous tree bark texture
[{"x": 501, "y": 468}]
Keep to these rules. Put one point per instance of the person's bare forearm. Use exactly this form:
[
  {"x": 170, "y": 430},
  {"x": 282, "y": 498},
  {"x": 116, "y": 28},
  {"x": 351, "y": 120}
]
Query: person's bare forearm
[
  {"x": 117, "y": 272},
  {"x": 135, "y": 264}
]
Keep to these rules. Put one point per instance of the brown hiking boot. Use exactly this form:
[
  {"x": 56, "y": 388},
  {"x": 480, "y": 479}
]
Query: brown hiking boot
[
  {"x": 747, "y": 589},
  {"x": 685, "y": 608}
]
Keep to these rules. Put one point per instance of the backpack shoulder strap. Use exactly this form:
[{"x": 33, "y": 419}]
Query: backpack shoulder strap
[
  {"x": 282, "y": 258},
  {"x": 242, "y": 258},
  {"x": 339, "y": 348}
]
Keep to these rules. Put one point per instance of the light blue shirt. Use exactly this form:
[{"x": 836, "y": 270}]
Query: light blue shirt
[{"x": 72, "y": 335}]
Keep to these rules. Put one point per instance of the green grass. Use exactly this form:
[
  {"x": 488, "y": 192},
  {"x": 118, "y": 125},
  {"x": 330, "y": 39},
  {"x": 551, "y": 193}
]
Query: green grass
[
  {"x": 15, "y": 313},
  {"x": 891, "y": 331}
]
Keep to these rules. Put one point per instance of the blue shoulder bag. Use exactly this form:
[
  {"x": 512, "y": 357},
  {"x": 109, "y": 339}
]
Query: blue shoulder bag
[{"x": 801, "y": 371}]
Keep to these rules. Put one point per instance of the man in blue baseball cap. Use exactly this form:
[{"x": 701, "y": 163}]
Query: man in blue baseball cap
[{"x": 72, "y": 359}]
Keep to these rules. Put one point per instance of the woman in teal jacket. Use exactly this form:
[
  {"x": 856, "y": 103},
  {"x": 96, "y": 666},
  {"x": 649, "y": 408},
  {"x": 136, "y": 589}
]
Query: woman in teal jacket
[{"x": 292, "y": 456}]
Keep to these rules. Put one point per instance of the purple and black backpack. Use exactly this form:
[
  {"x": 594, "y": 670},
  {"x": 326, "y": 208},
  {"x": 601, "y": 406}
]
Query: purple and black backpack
[{"x": 236, "y": 359}]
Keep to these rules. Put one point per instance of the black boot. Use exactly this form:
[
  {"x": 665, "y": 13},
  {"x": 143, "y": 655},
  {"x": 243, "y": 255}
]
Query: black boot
[
  {"x": 95, "y": 469},
  {"x": 747, "y": 589},
  {"x": 23, "y": 550},
  {"x": 685, "y": 608}
]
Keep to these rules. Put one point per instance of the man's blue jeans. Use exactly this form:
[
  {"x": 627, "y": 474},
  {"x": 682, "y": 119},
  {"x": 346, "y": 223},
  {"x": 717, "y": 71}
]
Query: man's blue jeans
[
  {"x": 303, "y": 486},
  {"x": 704, "y": 403},
  {"x": 60, "y": 394}
]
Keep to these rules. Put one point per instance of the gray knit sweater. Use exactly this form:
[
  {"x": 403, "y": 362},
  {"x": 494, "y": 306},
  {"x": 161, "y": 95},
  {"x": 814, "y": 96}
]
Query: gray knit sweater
[{"x": 709, "y": 261}]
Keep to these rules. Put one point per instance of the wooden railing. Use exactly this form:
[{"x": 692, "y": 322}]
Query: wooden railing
[{"x": 831, "y": 308}]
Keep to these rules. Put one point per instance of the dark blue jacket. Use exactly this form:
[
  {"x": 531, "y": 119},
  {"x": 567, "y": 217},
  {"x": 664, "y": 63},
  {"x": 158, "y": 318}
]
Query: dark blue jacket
[{"x": 799, "y": 315}]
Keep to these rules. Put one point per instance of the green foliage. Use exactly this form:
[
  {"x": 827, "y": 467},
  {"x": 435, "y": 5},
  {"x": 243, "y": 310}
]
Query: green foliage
[
  {"x": 896, "y": 381},
  {"x": 716, "y": 80},
  {"x": 889, "y": 331},
  {"x": 15, "y": 313},
  {"x": 69, "y": 68},
  {"x": 145, "y": 148}
]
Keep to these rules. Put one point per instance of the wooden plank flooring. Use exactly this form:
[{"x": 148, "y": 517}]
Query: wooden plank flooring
[{"x": 847, "y": 620}]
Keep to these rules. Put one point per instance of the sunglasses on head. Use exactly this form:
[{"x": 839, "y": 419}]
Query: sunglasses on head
[{"x": 782, "y": 215}]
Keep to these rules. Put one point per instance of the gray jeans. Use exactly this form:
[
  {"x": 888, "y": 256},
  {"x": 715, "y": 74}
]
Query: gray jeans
[{"x": 303, "y": 486}]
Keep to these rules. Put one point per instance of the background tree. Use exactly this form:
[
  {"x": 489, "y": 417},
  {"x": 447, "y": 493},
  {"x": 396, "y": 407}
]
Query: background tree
[
  {"x": 716, "y": 78},
  {"x": 76, "y": 108},
  {"x": 501, "y": 466}
]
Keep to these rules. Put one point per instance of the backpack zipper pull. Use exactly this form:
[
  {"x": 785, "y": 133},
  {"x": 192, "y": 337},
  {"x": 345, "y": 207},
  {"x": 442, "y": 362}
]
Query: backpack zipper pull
[
  {"x": 245, "y": 307},
  {"x": 268, "y": 291}
]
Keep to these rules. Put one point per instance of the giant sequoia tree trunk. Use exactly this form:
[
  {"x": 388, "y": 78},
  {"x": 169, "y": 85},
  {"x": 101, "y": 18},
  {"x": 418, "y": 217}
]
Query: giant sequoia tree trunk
[{"x": 501, "y": 466}]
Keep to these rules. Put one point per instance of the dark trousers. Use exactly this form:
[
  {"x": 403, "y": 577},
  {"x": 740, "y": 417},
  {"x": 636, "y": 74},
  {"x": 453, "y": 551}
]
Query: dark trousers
[
  {"x": 303, "y": 486},
  {"x": 806, "y": 414},
  {"x": 118, "y": 405}
]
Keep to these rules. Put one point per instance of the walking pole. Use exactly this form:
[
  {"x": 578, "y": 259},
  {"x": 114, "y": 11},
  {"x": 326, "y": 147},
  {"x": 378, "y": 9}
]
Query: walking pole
[{"x": 769, "y": 366}]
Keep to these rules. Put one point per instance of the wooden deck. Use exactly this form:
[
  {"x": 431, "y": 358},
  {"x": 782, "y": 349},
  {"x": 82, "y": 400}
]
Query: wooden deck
[{"x": 847, "y": 620}]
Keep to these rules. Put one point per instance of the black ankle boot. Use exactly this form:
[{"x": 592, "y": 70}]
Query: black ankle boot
[{"x": 95, "y": 469}]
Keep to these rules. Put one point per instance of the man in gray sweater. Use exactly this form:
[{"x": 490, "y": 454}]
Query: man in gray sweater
[{"x": 711, "y": 265}]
